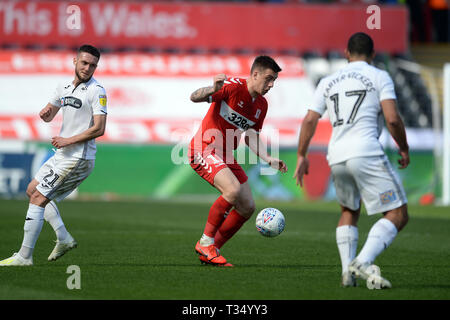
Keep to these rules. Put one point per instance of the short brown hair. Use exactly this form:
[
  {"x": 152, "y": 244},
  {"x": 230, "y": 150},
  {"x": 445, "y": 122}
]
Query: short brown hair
[
  {"x": 265, "y": 62},
  {"x": 89, "y": 49}
]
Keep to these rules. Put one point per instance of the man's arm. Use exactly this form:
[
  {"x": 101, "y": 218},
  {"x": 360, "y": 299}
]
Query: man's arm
[
  {"x": 255, "y": 144},
  {"x": 48, "y": 112},
  {"x": 397, "y": 130},
  {"x": 97, "y": 130},
  {"x": 202, "y": 94},
  {"x": 307, "y": 131}
]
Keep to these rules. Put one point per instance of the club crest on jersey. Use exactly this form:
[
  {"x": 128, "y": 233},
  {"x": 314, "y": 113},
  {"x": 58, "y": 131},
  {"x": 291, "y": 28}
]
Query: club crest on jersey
[
  {"x": 102, "y": 100},
  {"x": 388, "y": 197},
  {"x": 71, "y": 101}
]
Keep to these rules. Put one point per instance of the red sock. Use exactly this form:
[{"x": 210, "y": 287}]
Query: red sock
[
  {"x": 229, "y": 227},
  {"x": 216, "y": 216}
]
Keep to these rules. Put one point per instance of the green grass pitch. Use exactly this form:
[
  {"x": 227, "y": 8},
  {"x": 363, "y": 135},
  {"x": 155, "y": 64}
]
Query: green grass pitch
[{"x": 145, "y": 250}]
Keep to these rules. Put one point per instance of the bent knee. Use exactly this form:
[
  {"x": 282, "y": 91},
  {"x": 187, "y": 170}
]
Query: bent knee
[
  {"x": 399, "y": 217},
  {"x": 404, "y": 217},
  {"x": 38, "y": 199},
  {"x": 404, "y": 220},
  {"x": 31, "y": 189},
  {"x": 246, "y": 209},
  {"x": 231, "y": 193}
]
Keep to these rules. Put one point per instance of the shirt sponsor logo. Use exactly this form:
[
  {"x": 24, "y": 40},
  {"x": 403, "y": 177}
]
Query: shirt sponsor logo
[
  {"x": 388, "y": 197},
  {"x": 234, "y": 118},
  {"x": 71, "y": 101}
]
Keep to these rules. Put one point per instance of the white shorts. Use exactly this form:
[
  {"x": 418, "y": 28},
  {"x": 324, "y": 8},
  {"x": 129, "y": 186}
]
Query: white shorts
[
  {"x": 371, "y": 179},
  {"x": 59, "y": 176}
]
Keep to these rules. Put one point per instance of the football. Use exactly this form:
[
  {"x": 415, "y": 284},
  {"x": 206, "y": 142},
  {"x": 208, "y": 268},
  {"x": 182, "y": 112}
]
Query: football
[{"x": 270, "y": 222}]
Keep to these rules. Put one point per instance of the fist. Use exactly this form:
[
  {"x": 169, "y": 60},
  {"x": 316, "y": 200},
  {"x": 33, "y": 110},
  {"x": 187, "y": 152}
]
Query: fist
[
  {"x": 45, "y": 113},
  {"x": 218, "y": 81}
]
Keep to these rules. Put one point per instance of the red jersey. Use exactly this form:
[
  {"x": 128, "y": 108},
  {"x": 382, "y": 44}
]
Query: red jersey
[{"x": 232, "y": 111}]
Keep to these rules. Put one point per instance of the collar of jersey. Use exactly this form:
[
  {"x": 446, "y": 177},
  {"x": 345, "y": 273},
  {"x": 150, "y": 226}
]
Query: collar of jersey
[
  {"x": 357, "y": 62},
  {"x": 86, "y": 84}
]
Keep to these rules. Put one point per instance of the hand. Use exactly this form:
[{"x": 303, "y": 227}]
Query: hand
[
  {"x": 278, "y": 164},
  {"x": 404, "y": 160},
  {"x": 218, "y": 81},
  {"x": 60, "y": 142},
  {"x": 301, "y": 169},
  {"x": 45, "y": 113}
]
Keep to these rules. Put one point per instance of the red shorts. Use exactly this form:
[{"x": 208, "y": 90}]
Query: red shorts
[{"x": 208, "y": 165}]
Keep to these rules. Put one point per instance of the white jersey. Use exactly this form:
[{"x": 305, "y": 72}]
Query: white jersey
[
  {"x": 79, "y": 105},
  {"x": 352, "y": 97}
]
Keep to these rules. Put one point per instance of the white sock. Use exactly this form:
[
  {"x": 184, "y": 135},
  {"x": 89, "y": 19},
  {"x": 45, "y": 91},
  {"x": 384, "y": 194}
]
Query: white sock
[
  {"x": 206, "y": 241},
  {"x": 32, "y": 228},
  {"x": 347, "y": 242},
  {"x": 380, "y": 237},
  {"x": 52, "y": 216}
]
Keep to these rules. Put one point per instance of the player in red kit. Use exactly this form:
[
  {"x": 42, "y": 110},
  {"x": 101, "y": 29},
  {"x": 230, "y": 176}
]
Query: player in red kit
[{"x": 237, "y": 106}]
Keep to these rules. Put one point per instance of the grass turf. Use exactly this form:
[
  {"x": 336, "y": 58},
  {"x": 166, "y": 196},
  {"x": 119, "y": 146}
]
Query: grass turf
[{"x": 145, "y": 250}]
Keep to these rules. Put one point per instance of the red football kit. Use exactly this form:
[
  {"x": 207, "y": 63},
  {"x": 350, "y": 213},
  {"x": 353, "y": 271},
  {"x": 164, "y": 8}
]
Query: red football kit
[{"x": 232, "y": 111}]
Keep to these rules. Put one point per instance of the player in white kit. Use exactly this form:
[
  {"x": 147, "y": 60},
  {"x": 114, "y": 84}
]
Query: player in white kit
[
  {"x": 356, "y": 98},
  {"x": 83, "y": 104}
]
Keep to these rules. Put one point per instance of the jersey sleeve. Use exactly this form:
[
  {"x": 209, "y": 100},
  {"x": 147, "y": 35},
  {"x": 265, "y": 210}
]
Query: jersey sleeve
[
  {"x": 99, "y": 101},
  {"x": 222, "y": 94},
  {"x": 386, "y": 85},
  {"x": 319, "y": 104},
  {"x": 55, "y": 99}
]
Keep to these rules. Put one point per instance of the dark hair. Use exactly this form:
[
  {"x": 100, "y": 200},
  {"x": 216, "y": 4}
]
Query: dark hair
[
  {"x": 89, "y": 49},
  {"x": 265, "y": 62},
  {"x": 360, "y": 43}
]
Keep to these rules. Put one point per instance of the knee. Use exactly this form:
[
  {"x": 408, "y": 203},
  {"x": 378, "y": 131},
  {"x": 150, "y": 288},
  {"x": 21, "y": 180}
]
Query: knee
[
  {"x": 399, "y": 217},
  {"x": 404, "y": 220},
  {"x": 247, "y": 208},
  {"x": 30, "y": 190},
  {"x": 403, "y": 217},
  {"x": 38, "y": 199},
  {"x": 349, "y": 216},
  {"x": 231, "y": 193}
]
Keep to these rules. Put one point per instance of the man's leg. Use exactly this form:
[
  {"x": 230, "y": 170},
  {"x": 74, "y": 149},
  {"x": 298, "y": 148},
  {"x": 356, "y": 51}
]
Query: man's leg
[
  {"x": 381, "y": 190},
  {"x": 226, "y": 182},
  {"x": 347, "y": 239},
  {"x": 53, "y": 217},
  {"x": 244, "y": 208},
  {"x": 32, "y": 228},
  {"x": 33, "y": 223},
  {"x": 346, "y": 230},
  {"x": 51, "y": 214},
  {"x": 383, "y": 233}
]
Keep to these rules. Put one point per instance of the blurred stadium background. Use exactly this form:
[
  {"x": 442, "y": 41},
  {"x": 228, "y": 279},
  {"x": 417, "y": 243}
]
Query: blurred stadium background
[{"x": 156, "y": 53}]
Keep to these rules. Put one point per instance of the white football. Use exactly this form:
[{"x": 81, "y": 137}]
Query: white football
[{"x": 270, "y": 222}]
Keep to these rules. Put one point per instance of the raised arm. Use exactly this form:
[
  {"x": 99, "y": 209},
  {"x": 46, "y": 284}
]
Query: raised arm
[
  {"x": 202, "y": 94},
  {"x": 48, "y": 112},
  {"x": 397, "y": 130},
  {"x": 97, "y": 130}
]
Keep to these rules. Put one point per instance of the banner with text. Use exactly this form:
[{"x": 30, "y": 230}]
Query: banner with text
[{"x": 201, "y": 25}]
